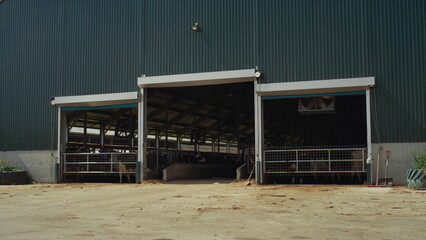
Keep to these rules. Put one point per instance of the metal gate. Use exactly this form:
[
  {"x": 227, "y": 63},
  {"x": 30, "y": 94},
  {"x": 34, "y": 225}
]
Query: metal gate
[
  {"x": 288, "y": 160},
  {"x": 99, "y": 163}
]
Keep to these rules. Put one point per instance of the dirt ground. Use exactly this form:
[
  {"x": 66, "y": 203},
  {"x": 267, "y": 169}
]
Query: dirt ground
[{"x": 210, "y": 209}]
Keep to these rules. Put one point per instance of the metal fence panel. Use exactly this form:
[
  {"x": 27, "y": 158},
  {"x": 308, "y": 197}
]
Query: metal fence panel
[
  {"x": 340, "y": 159},
  {"x": 89, "y": 163}
]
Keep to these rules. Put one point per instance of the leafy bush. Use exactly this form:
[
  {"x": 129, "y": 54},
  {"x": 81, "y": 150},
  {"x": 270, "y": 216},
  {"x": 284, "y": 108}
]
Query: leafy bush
[
  {"x": 419, "y": 159},
  {"x": 8, "y": 168}
]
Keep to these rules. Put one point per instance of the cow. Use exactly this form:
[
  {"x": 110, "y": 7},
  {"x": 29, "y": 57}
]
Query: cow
[{"x": 122, "y": 169}]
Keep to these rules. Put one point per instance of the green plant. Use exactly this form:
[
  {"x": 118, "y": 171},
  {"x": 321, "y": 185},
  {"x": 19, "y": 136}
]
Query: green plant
[
  {"x": 8, "y": 169},
  {"x": 419, "y": 159}
]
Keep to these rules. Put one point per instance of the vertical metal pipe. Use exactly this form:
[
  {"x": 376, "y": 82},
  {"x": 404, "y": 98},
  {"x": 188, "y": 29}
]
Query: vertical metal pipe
[
  {"x": 67, "y": 134},
  {"x": 218, "y": 144},
  {"x": 85, "y": 129},
  {"x": 228, "y": 146},
  {"x": 157, "y": 139},
  {"x": 102, "y": 134},
  {"x": 131, "y": 132},
  {"x": 111, "y": 163},
  {"x": 65, "y": 164},
  {"x": 166, "y": 143},
  {"x": 59, "y": 135},
  {"x": 142, "y": 163},
  {"x": 329, "y": 160},
  {"x": 369, "y": 145},
  {"x": 297, "y": 160},
  {"x": 178, "y": 142},
  {"x": 213, "y": 145},
  {"x": 258, "y": 134},
  {"x": 261, "y": 143},
  {"x": 58, "y": 160},
  {"x": 167, "y": 129},
  {"x": 157, "y": 147}
]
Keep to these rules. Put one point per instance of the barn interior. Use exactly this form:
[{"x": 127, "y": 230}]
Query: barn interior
[
  {"x": 208, "y": 131},
  {"x": 199, "y": 132},
  {"x": 192, "y": 132},
  {"x": 98, "y": 142},
  {"x": 315, "y": 139}
]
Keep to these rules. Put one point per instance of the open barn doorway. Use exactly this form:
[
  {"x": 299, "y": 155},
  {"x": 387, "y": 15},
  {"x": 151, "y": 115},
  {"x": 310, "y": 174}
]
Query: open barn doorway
[
  {"x": 98, "y": 138},
  {"x": 315, "y": 138},
  {"x": 199, "y": 131},
  {"x": 100, "y": 144}
]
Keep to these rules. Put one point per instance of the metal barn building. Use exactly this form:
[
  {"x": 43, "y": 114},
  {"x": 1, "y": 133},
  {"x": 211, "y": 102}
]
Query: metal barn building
[{"x": 286, "y": 90}]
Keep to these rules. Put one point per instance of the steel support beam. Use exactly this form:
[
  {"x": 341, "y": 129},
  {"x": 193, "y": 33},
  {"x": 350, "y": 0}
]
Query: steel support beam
[
  {"x": 102, "y": 134},
  {"x": 163, "y": 107},
  {"x": 62, "y": 140},
  {"x": 178, "y": 118},
  {"x": 74, "y": 116},
  {"x": 179, "y": 142},
  {"x": 199, "y": 120},
  {"x": 142, "y": 136},
  {"x": 213, "y": 144},
  {"x": 369, "y": 145},
  {"x": 114, "y": 117},
  {"x": 258, "y": 135},
  {"x": 85, "y": 129},
  {"x": 58, "y": 160},
  {"x": 228, "y": 146},
  {"x": 157, "y": 148}
]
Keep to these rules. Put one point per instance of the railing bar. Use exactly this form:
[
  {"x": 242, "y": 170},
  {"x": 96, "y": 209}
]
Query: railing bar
[
  {"x": 111, "y": 162},
  {"x": 65, "y": 163},
  {"x": 308, "y": 161},
  {"x": 297, "y": 160},
  {"x": 329, "y": 160},
  {"x": 97, "y": 172},
  {"x": 113, "y": 153},
  {"x": 105, "y": 163},
  {"x": 310, "y": 150},
  {"x": 321, "y": 172}
]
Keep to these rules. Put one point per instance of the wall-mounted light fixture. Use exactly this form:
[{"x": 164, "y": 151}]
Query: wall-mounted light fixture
[
  {"x": 196, "y": 27},
  {"x": 257, "y": 74}
]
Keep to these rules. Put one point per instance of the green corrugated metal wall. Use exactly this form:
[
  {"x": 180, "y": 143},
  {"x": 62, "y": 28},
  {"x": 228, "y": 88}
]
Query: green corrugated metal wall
[
  {"x": 304, "y": 40},
  {"x": 225, "y": 41},
  {"x": 398, "y": 59},
  {"x": 30, "y": 72},
  {"x": 312, "y": 40},
  {"x": 53, "y": 48}
]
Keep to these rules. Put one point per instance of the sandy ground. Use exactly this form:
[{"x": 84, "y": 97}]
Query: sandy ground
[{"x": 210, "y": 209}]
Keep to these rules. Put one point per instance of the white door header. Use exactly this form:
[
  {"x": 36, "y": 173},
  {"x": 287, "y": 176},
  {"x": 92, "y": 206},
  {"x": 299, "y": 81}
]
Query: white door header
[
  {"x": 96, "y": 100},
  {"x": 197, "y": 79},
  {"x": 318, "y": 86}
]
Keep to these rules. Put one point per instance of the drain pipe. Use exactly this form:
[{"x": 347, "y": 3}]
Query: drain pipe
[{"x": 378, "y": 166}]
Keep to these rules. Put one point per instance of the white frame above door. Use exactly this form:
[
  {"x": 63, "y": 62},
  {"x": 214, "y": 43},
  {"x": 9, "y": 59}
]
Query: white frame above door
[{"x": 197, "y": 79}]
